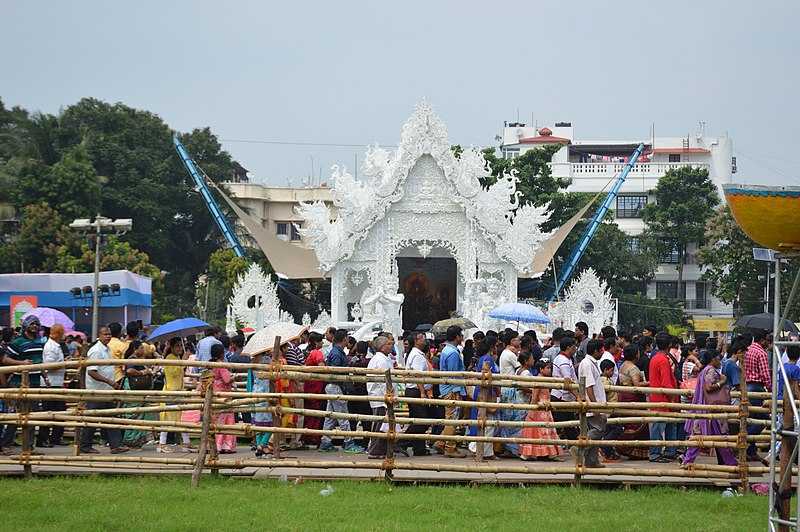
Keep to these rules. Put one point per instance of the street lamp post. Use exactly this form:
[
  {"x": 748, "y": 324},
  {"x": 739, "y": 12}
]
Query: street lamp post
[{"x": 100, "y": 226}]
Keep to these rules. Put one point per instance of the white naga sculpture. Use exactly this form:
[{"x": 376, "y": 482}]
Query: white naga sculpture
[
  {"x": 254, "y": 302},
  {"x": 421, "y": 201},
  {"x": 587, "y": 299}
]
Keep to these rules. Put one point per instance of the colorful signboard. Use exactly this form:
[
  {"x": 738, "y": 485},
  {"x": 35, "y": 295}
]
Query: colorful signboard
[{"x": 19, "y": 306}]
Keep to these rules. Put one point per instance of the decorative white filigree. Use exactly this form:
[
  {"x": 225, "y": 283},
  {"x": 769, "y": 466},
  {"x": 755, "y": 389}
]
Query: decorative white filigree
[
  {"x": 421, "y": 200},
  {"x": 587, "y": 299},
  {"x": 424, "y": 249},
  {"x": 322, "y": 322},
  {"x": 357, "y": 277},
  {"x": 254, "y": 302},
  {"x": 356, "y": 313},
  {"x": 361, "y": 205},
  {"x": 306, "y": 319},
  {"x": 230, "y": 321}
]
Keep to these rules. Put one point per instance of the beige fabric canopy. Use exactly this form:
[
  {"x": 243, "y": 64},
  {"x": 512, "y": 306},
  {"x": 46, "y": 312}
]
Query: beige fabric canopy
[
  {"x": 550, "y": 246},
  {"x": 289, "y": 260}
]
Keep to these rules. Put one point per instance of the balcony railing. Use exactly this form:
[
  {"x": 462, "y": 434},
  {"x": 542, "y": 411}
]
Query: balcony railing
[
  {"x": 696, "y": 304},
  {"x": 608, "y": 170}
]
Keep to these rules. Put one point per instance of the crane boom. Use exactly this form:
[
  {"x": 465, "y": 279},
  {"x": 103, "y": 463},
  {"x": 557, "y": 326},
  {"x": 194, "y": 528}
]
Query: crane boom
[
  {"x": 597, "y": 219},
  {"x": 211, "y": 203}
]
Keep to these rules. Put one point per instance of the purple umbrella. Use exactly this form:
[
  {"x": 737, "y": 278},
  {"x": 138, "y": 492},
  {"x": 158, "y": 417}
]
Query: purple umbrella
[{"x": 50, "y": 316}]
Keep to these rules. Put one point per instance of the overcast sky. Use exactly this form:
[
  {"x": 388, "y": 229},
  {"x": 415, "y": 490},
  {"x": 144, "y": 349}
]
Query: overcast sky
[{"x": 351, "y": 72}]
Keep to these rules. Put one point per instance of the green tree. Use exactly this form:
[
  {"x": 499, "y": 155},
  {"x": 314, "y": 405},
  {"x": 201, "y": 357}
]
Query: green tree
[
  {"x": 536, "y": 183},
  {"x": 71, "y": 185},
  {"x": 635, "y": 311},
  {"x": 685, "y": 200},
  {"x": 728, "y": 265}
]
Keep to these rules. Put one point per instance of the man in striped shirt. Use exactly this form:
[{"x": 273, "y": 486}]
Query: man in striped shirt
[
  {"x": 24, "y": 349},
  {"x": 759, "y": 379}
]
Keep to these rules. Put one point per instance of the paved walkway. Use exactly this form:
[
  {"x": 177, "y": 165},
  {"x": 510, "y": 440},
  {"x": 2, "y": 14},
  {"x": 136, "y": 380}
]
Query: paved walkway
[{"x": 351, "y": 472}]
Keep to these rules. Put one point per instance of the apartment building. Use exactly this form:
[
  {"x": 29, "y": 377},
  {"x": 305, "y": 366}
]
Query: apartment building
[
  {"x": 590, "y": 164},
  {"x": 274, "y": 206}
]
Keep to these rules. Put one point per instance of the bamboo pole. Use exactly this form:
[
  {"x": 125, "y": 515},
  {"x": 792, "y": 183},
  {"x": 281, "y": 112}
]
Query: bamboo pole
[
  {"x": 81, "y": 404},
  {"x": 27, "y": 430},
  {"x": 784, "y": 491},
  {"x": 744, "y": 413},
  {"x": 483, "y": 397},
  {"x": 201, "y": 453},
  {"x": 277, "y": 416},
  {"x": 391, "y": 434},
  {"x": 320, "y": 373}
]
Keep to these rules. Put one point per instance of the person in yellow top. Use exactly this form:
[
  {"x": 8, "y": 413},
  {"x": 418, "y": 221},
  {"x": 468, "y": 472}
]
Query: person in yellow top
[
  {"x": 173, "y": 380},
  {"x": 117, "y": 346}
]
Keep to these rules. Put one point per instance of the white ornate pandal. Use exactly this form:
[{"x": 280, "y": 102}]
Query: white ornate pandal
[
  {"x": 420, "y": 200},
  {"x": 588, "y": 299},
  {"x": 254, "y": 302}
]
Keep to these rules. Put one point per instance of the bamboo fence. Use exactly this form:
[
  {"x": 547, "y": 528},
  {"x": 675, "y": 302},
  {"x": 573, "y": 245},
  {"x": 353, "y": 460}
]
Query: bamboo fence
[{"x": 129, "y": 403}]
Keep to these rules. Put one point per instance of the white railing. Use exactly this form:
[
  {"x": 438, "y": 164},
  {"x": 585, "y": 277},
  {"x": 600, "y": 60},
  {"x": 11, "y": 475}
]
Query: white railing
[{"x": 591, "y": 170}]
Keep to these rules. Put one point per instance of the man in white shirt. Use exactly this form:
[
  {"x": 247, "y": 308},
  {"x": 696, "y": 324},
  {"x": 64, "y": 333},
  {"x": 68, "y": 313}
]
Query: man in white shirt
[
  {"x": 377, "y": 389},
  {"x": 54, "y": 378},
  {"x": 610, "y": 348},
  {"x": 203, "y": 353},
  {"x": 509, "y": 362},
  {"x": 101, "y": 378},
  {"x": 589, "y": 371},
  {"x": 563, "y": 368},
  {"x": 417, "y": 361}
]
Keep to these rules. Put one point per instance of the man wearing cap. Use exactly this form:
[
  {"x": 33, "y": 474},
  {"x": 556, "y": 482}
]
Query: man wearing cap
[{"x": 24, "y": 349}]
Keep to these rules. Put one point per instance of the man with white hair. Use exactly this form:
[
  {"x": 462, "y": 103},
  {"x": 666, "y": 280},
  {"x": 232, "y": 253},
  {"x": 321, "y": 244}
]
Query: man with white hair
[
  {"x": 54, "y": 378},
  {"x": 377, "y": 389}
]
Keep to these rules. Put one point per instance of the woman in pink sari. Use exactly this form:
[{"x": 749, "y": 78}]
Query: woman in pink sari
[
  {"x": 223, "y": 382},
  {"x": 711, "y": 389},
  {"x": 530, "y": 451}
]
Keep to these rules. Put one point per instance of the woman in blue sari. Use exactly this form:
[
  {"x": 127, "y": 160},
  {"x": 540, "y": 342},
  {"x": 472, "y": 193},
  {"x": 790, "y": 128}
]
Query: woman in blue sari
[
  {"x": 258, "y": 382},
  {"x": 486, "y": 361},
  {"x": 518, "y": 396}
]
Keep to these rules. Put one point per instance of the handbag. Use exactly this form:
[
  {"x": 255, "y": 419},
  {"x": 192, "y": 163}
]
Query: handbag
[{"x": 140, "y": 382}]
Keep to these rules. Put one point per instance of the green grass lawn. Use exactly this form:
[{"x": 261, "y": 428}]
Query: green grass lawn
[{"x": 168, "y": 503}]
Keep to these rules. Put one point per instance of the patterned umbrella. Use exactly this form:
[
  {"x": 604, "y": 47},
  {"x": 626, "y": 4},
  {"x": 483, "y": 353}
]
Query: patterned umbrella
[
  {"x": 264, "y": 340},
  {"x": 440, "y": 327},
  {"x": 519, "y": 312},
  {"x": 50, "y": 316}
]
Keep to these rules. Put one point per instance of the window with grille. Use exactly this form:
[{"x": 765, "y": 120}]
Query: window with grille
[
  {"x": 282, "y": 228},
  {"x": 630, "y": 206},
  {"x": 674, "y": 157},
  {"x": 670, "y": 255}
]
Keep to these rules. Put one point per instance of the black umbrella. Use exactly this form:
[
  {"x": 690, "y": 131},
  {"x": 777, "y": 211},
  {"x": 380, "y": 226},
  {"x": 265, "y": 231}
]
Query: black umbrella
[
  {"x": 764, "y": 321},
  {"x": 424, "y": 327}
]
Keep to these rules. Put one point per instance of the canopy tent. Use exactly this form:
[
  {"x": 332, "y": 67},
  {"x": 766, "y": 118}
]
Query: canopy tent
[{"x": 131, "y": 301}]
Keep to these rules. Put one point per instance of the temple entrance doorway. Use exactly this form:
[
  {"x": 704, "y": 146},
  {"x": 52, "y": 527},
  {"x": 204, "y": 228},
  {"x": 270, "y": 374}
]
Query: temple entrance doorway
[{"x": 429, "y": 286}]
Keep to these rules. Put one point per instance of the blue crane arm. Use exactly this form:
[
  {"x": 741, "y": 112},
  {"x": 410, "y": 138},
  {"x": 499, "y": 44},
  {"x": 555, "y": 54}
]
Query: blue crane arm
[
  {"x": 591, "y": 229},
  {"x": 211, "y": 203}
]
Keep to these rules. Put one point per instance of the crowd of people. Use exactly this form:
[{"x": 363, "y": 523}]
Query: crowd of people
[{"x": 649, "y": 363}]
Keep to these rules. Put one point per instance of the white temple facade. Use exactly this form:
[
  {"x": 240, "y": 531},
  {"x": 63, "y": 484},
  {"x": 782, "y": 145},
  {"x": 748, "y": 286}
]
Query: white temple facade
[{"x": 420, "y": 237}]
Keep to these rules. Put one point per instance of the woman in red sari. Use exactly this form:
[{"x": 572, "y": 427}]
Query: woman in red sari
[
  {"x": 315, "y": 358},
  {"x": 534, "y": 451}
]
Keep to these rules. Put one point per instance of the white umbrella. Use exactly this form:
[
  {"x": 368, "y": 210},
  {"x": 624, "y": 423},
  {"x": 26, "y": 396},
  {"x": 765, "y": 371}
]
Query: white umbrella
[{"x": 264, "y": 340}]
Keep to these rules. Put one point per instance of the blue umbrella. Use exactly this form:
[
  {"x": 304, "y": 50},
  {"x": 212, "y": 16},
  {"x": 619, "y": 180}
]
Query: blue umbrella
[
  {"x": 519, "y": 312},
  {"x": 180, "y": 327}
]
